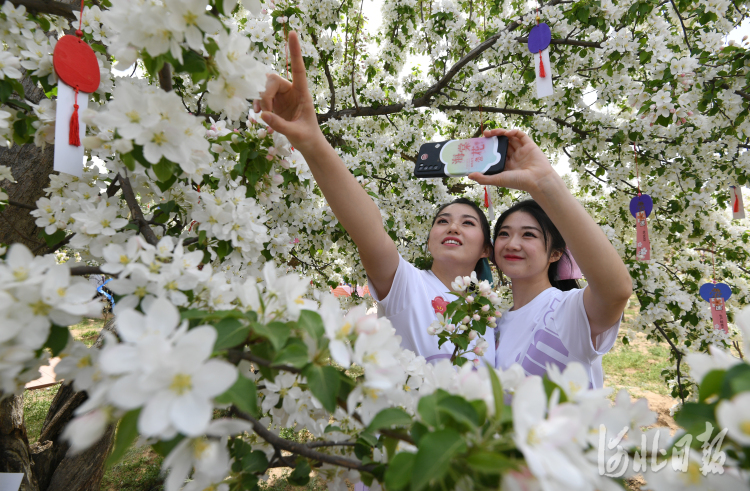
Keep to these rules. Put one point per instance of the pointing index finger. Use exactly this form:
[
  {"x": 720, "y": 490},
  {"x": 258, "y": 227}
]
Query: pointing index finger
[{"x": 299, "y": 77}]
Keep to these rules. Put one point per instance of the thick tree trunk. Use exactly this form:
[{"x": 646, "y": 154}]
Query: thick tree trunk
[
  {"x": 47, "y": 466},
  {"x": 31, "y": 167},
  {"x": 15, "y": 454}
]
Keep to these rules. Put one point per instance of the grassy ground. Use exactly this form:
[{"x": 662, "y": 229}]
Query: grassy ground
[{"x": 635, "y": 367}]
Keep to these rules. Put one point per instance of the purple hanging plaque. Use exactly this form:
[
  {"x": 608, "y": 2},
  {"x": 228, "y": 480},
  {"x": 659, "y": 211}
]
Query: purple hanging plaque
[
  {"x": 710, "y": 290},
  {"x": 641, "y": 203},
  {"x": 539, "y": 37}
]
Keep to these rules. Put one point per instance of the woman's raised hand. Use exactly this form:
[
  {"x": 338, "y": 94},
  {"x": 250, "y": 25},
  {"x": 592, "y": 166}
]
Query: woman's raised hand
[
  {"x": 526, "y": 166},
  {"x": 288, "y": 106}
]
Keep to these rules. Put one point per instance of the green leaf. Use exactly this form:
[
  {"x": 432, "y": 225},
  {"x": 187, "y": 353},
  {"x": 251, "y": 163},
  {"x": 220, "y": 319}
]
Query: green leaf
[
  {"x": 244, "y": 395},
  {"x": 459, "y": 409},
  {"x": 193, "y": 62},
  {"x": 164, "y": 169},
  {"x": 128, "y": 160},
  {"x": 711, "y": 384},
  {"x": 6, "y": 89},
  {"x": 324, "y": 383},
  {"x": 399, "y": 471},
  {"x": 54, "y": 238},
  {"x": 392, "y": 416},
  {"x": 163, "y": 186},
  {"x": 436, "y": 450},
  {"x": 300, "y": 476},
  {"x": 57, "y": 339},
  {"x": 312, "y": 323},
  {"x": 427, "y": 408},
  {"x": 276, "y": 332},
  {"x": 127, "y": 432},
  {"x": 497, "y": 392},
  {"x": 231, "y": 333},
  {"x": 693, "y": 414},
  {"x": 737, "y": 380},
  {"x": 255, "y": 462},
  {"x": 294, "y": 354},
  {"x": 163, "y": 448},
  {"x": 489, "y": 463}
]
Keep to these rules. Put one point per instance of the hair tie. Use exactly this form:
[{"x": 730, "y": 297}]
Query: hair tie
[{"x": 567, "y": 269}]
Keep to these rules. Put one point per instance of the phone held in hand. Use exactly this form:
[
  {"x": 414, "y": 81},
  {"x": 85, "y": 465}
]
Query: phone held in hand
[{"x": 456, "y": 158}]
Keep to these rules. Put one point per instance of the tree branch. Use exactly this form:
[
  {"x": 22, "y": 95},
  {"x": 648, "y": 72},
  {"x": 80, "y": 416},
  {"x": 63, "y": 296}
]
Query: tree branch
[
  {"x": 569, "y": 42},
  {"x": 301, "y": 448},
  {"x": 135, "y": 210},
  {"x": 678, "y": 354},
  {"x": 21, "y": 205},
  {"x": 235, "y": 355},
  {"x": 684, "y": 31},
  {"x": 47, "y": 7},
  {"x": 165, "y": 77},
  {"x": 84, "y": 270},
  {"x": 327, "y": 71},
  {"x": 63, "y": 242}
]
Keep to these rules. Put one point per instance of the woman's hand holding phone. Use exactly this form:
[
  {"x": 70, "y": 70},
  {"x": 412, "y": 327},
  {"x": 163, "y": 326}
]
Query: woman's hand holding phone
[{"x": 526, "y": 166}]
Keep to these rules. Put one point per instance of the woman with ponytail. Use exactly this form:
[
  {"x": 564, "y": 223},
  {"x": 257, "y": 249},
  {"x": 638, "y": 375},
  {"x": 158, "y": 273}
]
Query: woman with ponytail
[{"x": 552, "y": 321}]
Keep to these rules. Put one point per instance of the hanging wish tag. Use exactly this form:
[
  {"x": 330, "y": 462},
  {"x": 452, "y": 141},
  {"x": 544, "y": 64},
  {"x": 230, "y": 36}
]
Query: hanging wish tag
[
  {"x": 78, "y": 70},
  {"x": 738, "y": 206},
  {"x": 640, "y": 208},
  {"x": 716, "y": 294},
  {"x": 539, "y": 40}
]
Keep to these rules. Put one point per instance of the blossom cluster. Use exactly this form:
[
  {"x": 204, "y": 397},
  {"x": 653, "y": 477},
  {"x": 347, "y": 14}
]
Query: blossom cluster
[
  {"x": 38, "y": 300},
  {"x": 467, "y": 318}
]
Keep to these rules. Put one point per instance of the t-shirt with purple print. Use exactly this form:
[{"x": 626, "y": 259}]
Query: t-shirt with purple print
[{"x": 552, "y": 329}]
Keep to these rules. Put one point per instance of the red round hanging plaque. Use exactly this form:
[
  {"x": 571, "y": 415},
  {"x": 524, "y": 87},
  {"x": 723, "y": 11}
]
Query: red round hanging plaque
[{"x": 76, "y": 65}]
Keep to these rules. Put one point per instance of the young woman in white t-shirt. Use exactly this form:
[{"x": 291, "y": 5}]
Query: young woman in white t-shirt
[{"x": 457, "y": 241}]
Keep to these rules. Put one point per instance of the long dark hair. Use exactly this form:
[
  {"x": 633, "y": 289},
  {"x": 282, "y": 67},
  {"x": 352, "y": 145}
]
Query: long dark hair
[
  {"x": 553, "y": 239},
  {"x": 482, "y": 221}
]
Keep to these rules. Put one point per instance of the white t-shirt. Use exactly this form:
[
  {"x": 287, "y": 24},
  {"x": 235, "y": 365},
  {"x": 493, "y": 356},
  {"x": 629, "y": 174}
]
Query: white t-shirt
[
  {"x": 553, "y": 328},
  {"x": 409, "y": 307}
]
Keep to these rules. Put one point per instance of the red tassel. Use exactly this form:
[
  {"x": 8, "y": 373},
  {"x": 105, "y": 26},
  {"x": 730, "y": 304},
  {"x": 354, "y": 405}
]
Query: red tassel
[
  {"x": 486, "y": 198},
  {"x": 736, "y": 202},
  {"x": 541, "y": 66},
  {"x": 74, "y": 137}
]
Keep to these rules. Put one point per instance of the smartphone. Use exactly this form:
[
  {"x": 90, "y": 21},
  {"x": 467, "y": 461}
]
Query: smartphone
[{"x": 455, "y": 158}]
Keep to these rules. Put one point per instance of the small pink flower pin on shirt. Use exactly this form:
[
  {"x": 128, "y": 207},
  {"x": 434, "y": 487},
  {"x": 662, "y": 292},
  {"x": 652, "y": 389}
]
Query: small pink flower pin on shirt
[{"x": 439, "y": 304}]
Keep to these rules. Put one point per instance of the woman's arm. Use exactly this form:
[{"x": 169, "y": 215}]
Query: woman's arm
[
  {"x": 528, "y": 169},
  {"x": 288, "y": 108}
]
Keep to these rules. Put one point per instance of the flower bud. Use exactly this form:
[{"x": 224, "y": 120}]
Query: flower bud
[
  {"x": 465, "y": 320},
  {"x": 284, "y": 163},
  {"x": 469, "y": 299},
  {"x": 450, "y": 328},
  {"x": 485, "y": 308},
  {"x": 262, "y": 133},
  {"x": 430, "y": 330},
  {"x": 476, "y": 317},
  {"x": 472, "y": 335},
  {"x": 475, "y": 361}
]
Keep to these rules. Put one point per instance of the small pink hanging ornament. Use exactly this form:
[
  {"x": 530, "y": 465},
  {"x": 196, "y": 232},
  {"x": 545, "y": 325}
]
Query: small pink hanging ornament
[
  {"x": 716, "y": 294},
  {"x": 641, "y": 207},
  {"x": 78, "y": 70}
]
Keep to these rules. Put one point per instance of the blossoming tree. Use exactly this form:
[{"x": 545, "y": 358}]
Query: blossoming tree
[{"x": 206, "y": 221}]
